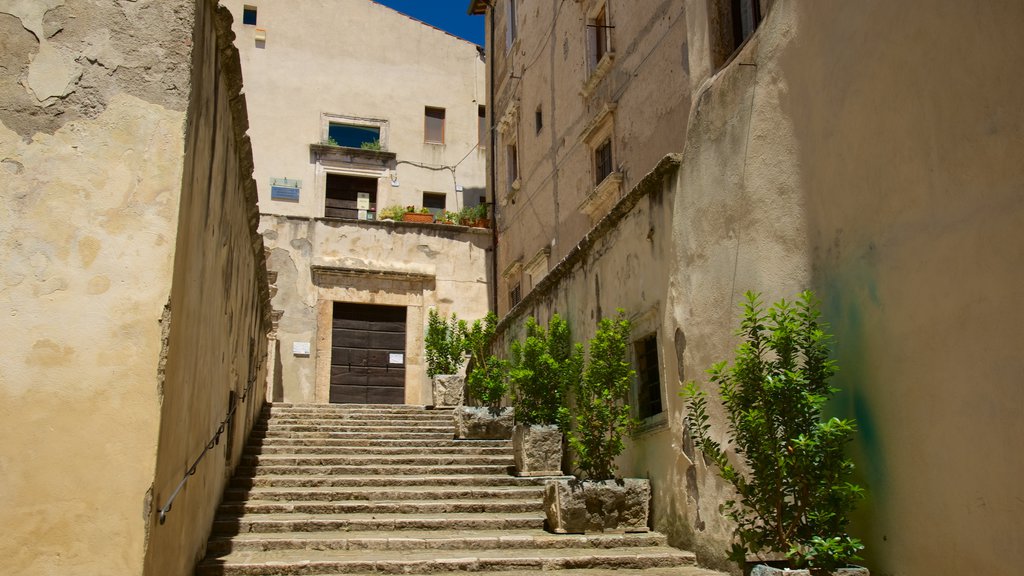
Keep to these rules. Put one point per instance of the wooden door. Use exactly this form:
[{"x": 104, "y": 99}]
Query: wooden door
[{"x": 367, "y": 354}]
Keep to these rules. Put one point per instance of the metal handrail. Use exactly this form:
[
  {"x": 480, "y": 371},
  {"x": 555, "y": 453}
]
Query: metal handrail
[{"x": 209, "y": 446}]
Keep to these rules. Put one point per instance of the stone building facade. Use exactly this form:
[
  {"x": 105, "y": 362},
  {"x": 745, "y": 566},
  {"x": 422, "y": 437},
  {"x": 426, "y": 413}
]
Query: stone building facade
[
  {"x": 857, "y": 150},
  {"x": 136, "y": 306},
  {"x": 354, "y": 110}
]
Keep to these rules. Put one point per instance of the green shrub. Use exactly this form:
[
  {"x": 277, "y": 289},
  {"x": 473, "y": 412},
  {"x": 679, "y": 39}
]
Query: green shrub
[
  {"x": 394, "y": 212},
  {"x": 796, "y": 497},
  {"x": 372, "y": 145},
  {"x": 487, "y": 380},
  {"x": 601, "y": 416},
  {"x": 545, "y": 367},
  {"x": 446, "y": 344}
]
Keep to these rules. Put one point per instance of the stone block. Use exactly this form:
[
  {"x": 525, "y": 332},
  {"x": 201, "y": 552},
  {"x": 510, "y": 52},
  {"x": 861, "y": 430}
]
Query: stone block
[
  {"x": 478, "y": 423},
  {"x": 448, "y": 389},
  {"x": 765, "y": 570},
  {"x": 579, "y": 506},
  {"x": 537, "y": 450}
]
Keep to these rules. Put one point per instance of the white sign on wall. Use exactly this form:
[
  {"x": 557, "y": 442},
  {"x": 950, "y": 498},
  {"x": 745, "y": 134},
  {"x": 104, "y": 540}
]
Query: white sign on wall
[{"x": 300, "y": 348}]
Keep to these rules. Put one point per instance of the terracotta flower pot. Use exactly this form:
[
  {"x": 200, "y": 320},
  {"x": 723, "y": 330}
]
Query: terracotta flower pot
[{"x": 418, "y": 217}]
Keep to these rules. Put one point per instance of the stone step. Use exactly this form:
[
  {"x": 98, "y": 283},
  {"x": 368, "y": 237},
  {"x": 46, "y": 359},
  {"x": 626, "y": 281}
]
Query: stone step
[
  {"x": 355, "y": 407},
  {"x": 352, "y": 415},
  {"x": 428, "y": 540},
  {"x": 670, "y": 571},
  {"x": 256, "y": 450},
  {"x": 372, "y": 469},
  {"x": 385, "y": 493},
  {"x": 369, "y": 427},
  {"x": 432, "y": 561},
  {"x": 382, "y": 442},
  {"x": 379, "y": 480},
  {"x": 278, "y": 523},
  {"x": 378, "y": 459},
  {"x": 476, "y": 506},
  {"x": 360, "y": 435}
]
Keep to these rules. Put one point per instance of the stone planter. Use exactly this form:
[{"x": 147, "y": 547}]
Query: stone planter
[
  {"x": 764, "y": 570},
  {"x": 478, "y": 423},
  {"x": 537, "y": 450},
  {"x": 447, "y": 389},
  {"x": 579, "y": 506}
]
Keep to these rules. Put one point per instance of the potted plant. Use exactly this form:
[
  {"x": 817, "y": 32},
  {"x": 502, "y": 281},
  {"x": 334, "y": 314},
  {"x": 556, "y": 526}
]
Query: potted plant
[
  {"x": 423, "y": 216},
  {"x": 445, "y": 344},
  {"x": 544, "y": 366},
  {"x": 793, "y": 485},
  {"x": 600, "y": 420},
  {"x": 393, "y": 212},
  {"x": 449, "y": 217},
  {"x": 486, "y": 383}
]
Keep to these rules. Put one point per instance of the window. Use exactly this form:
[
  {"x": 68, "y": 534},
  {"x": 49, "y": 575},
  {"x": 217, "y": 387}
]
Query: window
[
  {"x": 435, "y": 203},
  {"x": 249, "y": 15},
  {"x": 513, "y": 164},
  {"x": 746, "y": 15},
  {"x": 648, "y": 379},
  {"x": 350, "y": 197},
  {"x": 433, "y": 125},
  {"x": 600, "y": 35},
  {"x": 538, "y": 118},
  {"x": 353, "y": 136},
  {"x": 481, "y": 126},
  {"x": 603, "y": 161},
  {"x": 515, "y": 295},
  {"x": 511, "y": 26}
]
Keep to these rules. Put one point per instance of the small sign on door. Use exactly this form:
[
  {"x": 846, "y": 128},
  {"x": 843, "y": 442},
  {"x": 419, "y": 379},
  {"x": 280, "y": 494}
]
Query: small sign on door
[
  {"x": 363, "y": 201},
  {"x": 396, "y": 358}
]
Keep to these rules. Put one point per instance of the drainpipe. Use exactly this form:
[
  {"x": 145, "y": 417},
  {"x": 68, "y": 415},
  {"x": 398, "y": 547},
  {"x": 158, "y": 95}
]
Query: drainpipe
[{"x": 490, "y": 173}]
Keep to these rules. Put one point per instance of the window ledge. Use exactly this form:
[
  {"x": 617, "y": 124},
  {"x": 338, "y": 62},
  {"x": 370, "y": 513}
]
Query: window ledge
[
  {"x": 651, "y": 425},
  {"x": 346, "y": 153},
  {"x": 603, "y": 197},
  {"x": 598, "y": 73}
]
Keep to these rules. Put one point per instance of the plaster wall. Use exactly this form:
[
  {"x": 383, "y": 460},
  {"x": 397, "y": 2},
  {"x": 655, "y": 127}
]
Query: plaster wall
[
  {"x": 359, "y": 59},
  {"x": 550, "y": 68},
  {"x": 218, "y": 314},
  {"x": 91, "y": 147},
  {"x": 319, "y": 261},
  {"x": 871, "y": 152}
]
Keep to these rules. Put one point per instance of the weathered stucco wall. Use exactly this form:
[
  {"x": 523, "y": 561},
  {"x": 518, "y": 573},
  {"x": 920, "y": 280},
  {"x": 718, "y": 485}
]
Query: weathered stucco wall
[
  {"x": 91, "y": 145},
  {"x": 108, "y": 206},
  {"x": 219, "y": 312},
  {"x": 858, "y": 150},
  {"x": 391, "y": 263}
]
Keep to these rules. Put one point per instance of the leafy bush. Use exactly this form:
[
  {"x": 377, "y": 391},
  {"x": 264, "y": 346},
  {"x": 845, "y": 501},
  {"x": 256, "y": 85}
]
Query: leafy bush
[
  {"x": 545, "y": 366},
  {"x": 371, "y": 145},
  {"x": 487, "y": 380},
  {"x": 796, "y": 497},
  {"x": 601, "y": 416},
  {"x": 446, "y": 344}
]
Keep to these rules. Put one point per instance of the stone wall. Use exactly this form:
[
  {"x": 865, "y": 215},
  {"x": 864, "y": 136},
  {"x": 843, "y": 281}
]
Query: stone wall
[
  {"x": 91, "y": 145},
  {"x": 133, "y": 284},
  {"x": 219, "y": 315}
]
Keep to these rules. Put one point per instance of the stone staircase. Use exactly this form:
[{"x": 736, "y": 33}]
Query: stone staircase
[{"x": 365, "y": 489}]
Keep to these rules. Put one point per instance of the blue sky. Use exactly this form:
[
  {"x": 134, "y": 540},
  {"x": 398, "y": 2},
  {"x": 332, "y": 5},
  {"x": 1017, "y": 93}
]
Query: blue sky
[{"x": 448, "y": 15}]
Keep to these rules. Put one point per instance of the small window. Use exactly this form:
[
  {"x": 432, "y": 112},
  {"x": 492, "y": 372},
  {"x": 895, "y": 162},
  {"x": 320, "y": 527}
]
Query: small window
[
  {"x": 648, "y": 377},
  {"x": 603, "y": 161},
  {"x": 513, "y": 163},
  {"x": 435, "y": 203},
  {"x": 249, "y": 15},
  {"x": 481, "y": 126},
  {"x": 600, "y": 35},
  {"x": 746, "y": 15},
  {"x": 352, "y": 136},
  {"x": 434, "y": 125},
  {"x": 511, "y": 24},
  {"x": 515, "y": 295},
  {"x": 538, "y": 118}
]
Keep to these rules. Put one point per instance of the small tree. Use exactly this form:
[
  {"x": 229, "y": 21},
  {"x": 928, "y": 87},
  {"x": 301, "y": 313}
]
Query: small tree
[
  {"x": 445, "y": 343},
  {"x": 602, "y": 416},
  {"x": 487, "y": 380},
  {"x": 794, "y": 492},
  {"x": 545, "y": 366}
]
